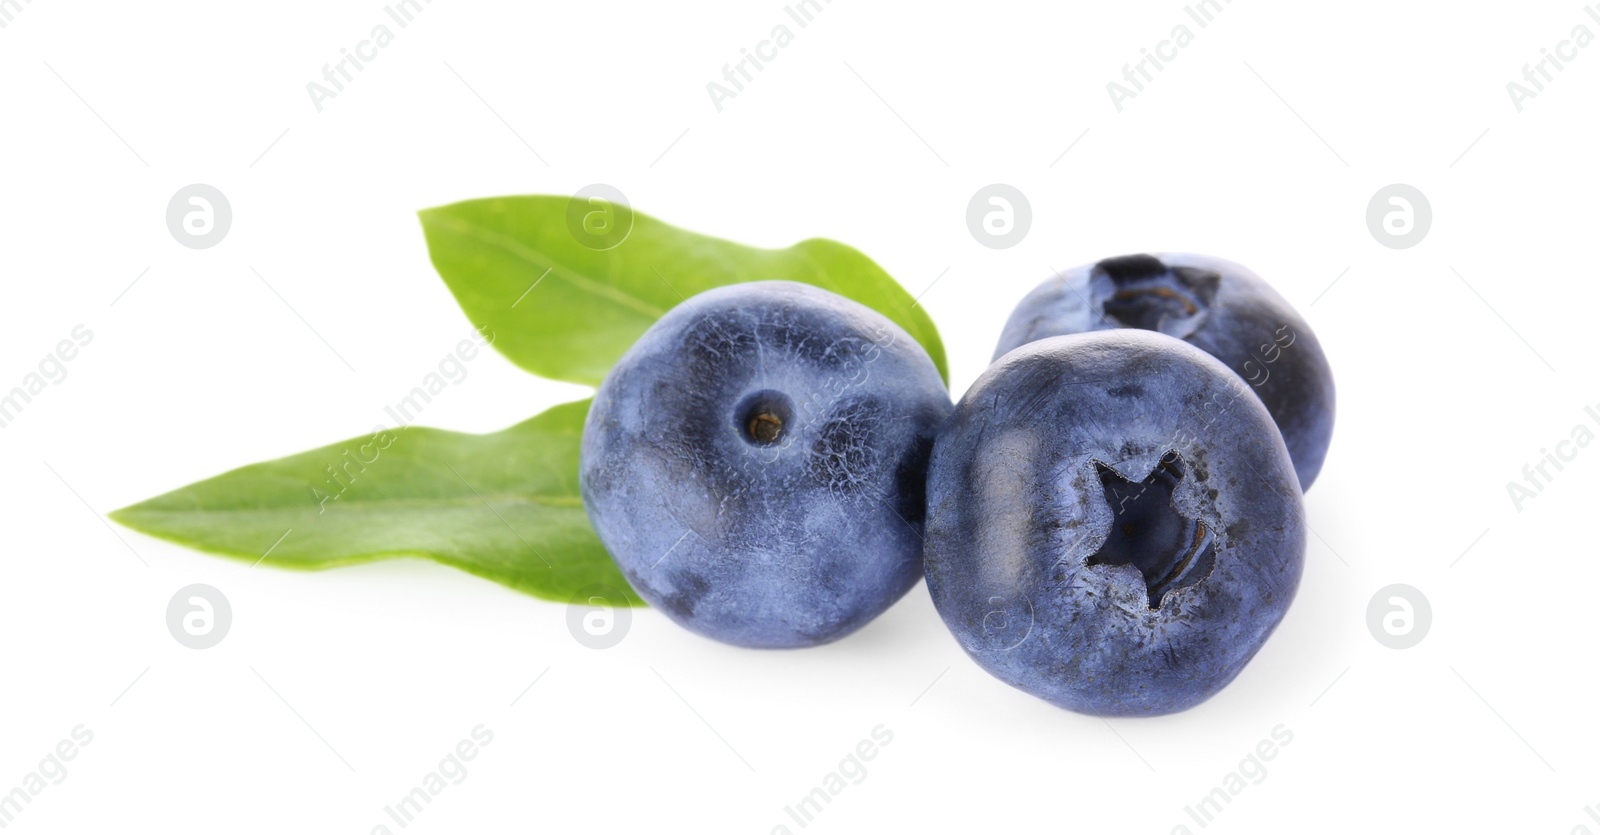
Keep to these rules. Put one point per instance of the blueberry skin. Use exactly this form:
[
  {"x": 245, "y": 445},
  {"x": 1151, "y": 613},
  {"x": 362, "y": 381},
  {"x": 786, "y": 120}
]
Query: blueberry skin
[
  {"x": 1062, "y": 579},
  {"x": 1218, "y": 306},
  {"x": 756, "y": 463}
]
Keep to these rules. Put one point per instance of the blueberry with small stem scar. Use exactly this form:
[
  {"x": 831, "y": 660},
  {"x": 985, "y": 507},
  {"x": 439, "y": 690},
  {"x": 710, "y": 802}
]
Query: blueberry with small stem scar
[{"x": 756, "y": 463}]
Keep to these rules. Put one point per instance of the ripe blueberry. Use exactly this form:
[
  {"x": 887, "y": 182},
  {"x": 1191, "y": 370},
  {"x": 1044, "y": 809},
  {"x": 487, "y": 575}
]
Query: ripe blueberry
[
  {"x": 1215, "y": 305},
  {"x": 756, "y": 463},
  {"x": 1114, "y": 523}
]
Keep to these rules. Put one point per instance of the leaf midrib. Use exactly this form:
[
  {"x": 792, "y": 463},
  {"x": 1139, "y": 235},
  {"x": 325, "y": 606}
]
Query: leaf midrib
[
  {"x": 376, "y": 504},
  {"x": 557, "y": 270}
]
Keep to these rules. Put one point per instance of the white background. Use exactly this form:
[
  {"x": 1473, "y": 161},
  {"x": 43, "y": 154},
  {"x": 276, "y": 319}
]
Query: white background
[{"x": 874, "y": 127}]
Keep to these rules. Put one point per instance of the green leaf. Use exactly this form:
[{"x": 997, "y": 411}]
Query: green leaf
[
  {"x": 564, "y": 310},
  {"x": 503, "y": 506}
]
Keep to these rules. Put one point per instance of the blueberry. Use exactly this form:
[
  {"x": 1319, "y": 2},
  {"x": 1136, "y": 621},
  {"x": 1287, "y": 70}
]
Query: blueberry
[
  {"x": 1114, "y": 523},
  {"x": 1215, "y": 305},
  {"x": 756, "y": 463}
]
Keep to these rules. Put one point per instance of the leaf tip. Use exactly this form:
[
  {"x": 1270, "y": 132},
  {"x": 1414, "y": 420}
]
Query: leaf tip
[{"x": 121, "y": 515}]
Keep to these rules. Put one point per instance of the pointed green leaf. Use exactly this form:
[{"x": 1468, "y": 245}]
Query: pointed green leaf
[
  {"x": 504, "y": 506},
  {"x": 564, "y": 310}
]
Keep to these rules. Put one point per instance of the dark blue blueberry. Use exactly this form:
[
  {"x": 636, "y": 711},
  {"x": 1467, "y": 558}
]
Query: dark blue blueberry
[
  {"x": 1215, "y": 305},
  {"x": 1114, "y": 523},
  {"x": 756, "y": 463}
]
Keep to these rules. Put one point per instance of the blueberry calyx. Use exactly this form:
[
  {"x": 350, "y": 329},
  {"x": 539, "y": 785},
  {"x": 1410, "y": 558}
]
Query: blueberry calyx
[
  {"x": 1140, "y": 291},
  {"x": 1170, "y": 550}
]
